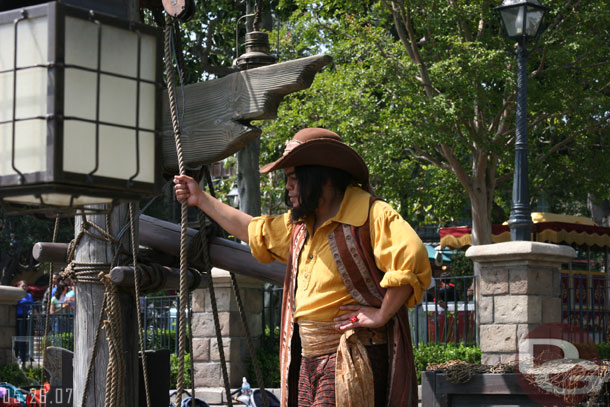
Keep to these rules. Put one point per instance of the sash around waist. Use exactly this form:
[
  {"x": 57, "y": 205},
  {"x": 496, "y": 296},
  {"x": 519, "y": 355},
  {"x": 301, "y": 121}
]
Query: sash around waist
[{"x": 321, "y": 338}]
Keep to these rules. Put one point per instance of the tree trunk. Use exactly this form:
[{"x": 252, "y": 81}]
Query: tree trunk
[
  {"x": 481, "y": 223},
  {"x": 600, "y": 210},
  {"x": 89, "y": 299}
]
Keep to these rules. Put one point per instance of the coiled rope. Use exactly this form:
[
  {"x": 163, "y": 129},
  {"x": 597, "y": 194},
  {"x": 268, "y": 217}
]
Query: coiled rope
[{"x": 97, "y": 273}]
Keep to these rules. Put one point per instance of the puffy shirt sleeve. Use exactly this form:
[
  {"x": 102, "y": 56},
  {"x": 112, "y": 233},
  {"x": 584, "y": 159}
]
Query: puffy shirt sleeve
[
  {"x": 399, "y": 252},
  {"x": 269, "y": 238}
]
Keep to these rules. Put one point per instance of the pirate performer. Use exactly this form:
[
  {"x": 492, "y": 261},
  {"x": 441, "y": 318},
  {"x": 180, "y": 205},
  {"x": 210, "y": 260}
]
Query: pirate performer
[{"x": 353, "y": 267}]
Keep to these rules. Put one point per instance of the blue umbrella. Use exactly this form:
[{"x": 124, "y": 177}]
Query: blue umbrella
[{"x": 432, "y": 254}]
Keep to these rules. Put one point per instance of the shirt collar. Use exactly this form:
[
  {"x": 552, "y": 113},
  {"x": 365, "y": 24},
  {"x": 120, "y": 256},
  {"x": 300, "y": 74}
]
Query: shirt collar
[{"x": 354, "y": 207}]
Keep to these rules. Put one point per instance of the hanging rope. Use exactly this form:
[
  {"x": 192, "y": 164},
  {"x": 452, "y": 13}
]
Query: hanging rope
[
  {"x": 200, "y": 256},
  {"x": 136, "y": 274},
  {"x": 96, "y": 340},
  {"x": 242, "y": 315},
  {"x": 183, "y": 299},
  {"x": 115, "y": 372},
  {"x": 169, "y": 72},
  {"x": 97, "y": 273},
  {"x": 202, "y": 247}
]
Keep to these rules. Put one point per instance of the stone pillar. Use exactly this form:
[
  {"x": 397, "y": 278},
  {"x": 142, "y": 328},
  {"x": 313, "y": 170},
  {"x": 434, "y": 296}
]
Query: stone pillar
[
  {"x": 206, "y": 357},
  {"x": 518, "y": 290},
  {"x": 9, "y": 296}
]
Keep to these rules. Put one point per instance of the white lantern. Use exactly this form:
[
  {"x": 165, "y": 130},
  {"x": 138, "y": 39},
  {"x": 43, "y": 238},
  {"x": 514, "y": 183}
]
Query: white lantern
[{"x": 79, "y": 107}]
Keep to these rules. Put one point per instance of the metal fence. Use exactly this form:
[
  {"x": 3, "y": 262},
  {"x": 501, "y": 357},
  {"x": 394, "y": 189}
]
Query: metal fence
[
  {"x": 30, "y": 328},
  {"x": 447, "y": 313},
  {"x": 585, "y": 306},
  {"x": 161, "y": 322},
  {"x": 159, "y": 318},
  {"x": 271, "y": 318}
]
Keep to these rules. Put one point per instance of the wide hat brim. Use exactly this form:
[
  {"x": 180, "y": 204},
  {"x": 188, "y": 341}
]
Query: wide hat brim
[{"x": 325, "y": 152}]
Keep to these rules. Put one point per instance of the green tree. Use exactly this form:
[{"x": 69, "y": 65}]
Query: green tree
[
  {"x": 18, "y": 234},
  {"x": 431, "y": 80}
]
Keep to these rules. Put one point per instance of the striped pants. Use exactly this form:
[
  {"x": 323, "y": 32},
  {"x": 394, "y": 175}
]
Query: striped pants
[{"x": 317, "y": 378}]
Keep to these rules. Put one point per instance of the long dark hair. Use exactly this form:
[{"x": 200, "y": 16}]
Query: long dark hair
[
  {"x": 59, "y": 290},
  {"x": 311, "y": 178}
]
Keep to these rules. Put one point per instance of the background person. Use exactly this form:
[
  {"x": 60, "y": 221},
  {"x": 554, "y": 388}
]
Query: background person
[
  {"x": 446, "y": 289},
  {"x": 24, "y": 309},
  {"x": 57, "y": 301},
  {"x": 69, "y": 297},
  {"x": 50, "y": 291}
]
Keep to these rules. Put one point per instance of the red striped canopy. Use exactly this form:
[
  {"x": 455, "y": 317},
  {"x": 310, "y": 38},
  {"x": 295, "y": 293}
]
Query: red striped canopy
[{"x": 547, "y": 227}]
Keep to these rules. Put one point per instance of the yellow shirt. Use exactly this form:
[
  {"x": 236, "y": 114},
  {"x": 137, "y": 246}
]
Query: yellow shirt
[{"x": 397, "y": 249}]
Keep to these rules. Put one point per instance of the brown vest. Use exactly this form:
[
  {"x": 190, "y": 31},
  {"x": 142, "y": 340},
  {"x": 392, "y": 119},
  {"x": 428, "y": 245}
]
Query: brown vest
[{"x": 353, "y": 255}]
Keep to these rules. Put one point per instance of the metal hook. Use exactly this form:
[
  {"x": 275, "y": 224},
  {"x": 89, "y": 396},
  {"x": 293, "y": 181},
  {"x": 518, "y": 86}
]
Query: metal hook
[{"x": 237, "y": 32}]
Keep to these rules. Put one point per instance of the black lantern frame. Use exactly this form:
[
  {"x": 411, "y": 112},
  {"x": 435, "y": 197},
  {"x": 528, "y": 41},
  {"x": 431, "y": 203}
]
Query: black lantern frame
[
  {"x": 94, "y": 186},
  {"x": 525, "y": 8}
]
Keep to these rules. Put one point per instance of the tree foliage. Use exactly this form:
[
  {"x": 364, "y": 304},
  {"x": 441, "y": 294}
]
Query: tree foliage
[{"x": 425, "y": 91}]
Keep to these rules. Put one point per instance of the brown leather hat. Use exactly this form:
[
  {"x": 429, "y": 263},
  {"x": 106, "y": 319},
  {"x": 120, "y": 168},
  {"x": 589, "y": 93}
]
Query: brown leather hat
[{"x": 316, "y": 146}]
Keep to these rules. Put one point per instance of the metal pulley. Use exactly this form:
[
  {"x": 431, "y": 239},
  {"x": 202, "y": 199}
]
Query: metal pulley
[{"x": 182, "y": 10}]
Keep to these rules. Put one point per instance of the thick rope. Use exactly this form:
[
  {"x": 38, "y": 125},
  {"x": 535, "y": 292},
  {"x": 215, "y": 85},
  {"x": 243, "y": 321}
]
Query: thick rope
[
  {"x": 98, "y": 330},
  {"x": 96, "y": 273},
  {"x": 200, "y": 246},
  {"x": 136, "y": 274},
  {"x": 183, "y": 247},
  {"x": 208, "y": 269},
  {"x": 204, "y": 250},
  {"x": 115, "y": 372},
  {"x": 242, "y": 315},
  {"x": 192, "y": 358},
  {"x": 169, "y": 73}
]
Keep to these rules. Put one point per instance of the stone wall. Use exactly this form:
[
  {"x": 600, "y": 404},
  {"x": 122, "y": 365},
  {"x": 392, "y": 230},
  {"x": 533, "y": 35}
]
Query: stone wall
[
  {"x": 9, "y": 296},
  {"x": 519, "y": 290},
  {"x": 207, "y": 365}
]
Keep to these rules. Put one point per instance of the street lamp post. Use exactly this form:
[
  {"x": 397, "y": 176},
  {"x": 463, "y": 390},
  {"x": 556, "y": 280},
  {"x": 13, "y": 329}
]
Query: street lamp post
[{"x": 521, "y": 21}]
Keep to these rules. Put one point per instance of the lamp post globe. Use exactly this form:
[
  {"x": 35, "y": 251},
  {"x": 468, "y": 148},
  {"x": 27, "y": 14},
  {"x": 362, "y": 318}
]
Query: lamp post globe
[{"x": 521, "y": 21}]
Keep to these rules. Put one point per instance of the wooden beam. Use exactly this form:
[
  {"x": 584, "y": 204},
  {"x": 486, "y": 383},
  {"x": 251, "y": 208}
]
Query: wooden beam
[
  {"x": 56, "y": 253},
  {"x": 157, "y": 277},
  {"x": 216, "y": 114},
  {"x": 225, "y": 254},
  {"x": 165, "y": 237}
]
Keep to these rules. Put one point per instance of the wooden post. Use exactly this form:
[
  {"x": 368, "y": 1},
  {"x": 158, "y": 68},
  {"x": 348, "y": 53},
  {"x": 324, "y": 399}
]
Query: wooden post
[{"x": 89, "y": 299}]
